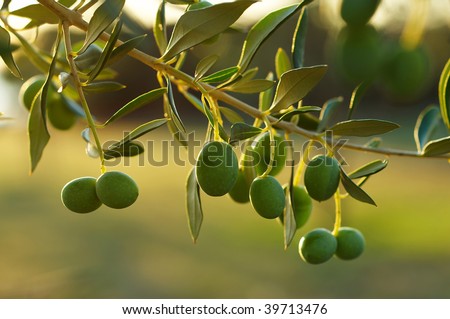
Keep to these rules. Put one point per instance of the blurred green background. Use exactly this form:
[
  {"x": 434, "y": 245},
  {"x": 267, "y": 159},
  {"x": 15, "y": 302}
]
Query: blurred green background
[{"x": 146, "y": 251}]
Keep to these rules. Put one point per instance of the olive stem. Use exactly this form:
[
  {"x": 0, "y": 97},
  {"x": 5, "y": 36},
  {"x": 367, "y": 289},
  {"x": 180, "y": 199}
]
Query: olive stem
[
  {"x": 77, "y": 83},
  {"x": 302, "y": 164},
  {"x": 338, "y": 217}
]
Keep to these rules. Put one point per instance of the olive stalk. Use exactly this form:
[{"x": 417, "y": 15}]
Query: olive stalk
[
  {"x": 338, "y": 217},
  {"x": 75, "y": 18}
]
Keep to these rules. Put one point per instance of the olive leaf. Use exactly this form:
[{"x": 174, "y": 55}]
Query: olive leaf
[
  {"x": 282, "y": 62},
  {"x": 251, "y": 86},
  {"x": 123, "y": 49},
  {"x": 444, "y": 94},
  {"x": 242, "y": 131},
  {"x": 5, "y": 4},
  {"x": 37, "y": 13},
  {"x": 128, "y": 149},
  {"x": 175, "y": 117},
  {"x": 210, "y": 117},
  {"x": 328, "y": 110},
  {"x": 102, "y": 87},
  {"x": 160, "y": 29},
  {"x": 262, "y": 29},
  {"x": 363, "y": 127},
  {"x": 137, "y": 103},
  {"x": 173, "y": 129},
  {"x": 369, "y": 169},
  {"x": 193, "y": 205},
  {"x": 67, "y": 3},
  {"x": 299, "y": 38},
  {"x": 204, "y": 65},
  {"x": 6, "y": 53},
  {"x": 373, "y": 143},
  {"x": 196, "y": 26},
  {"x": 289, "y": 114},
  {"x": 266, "y": 97},
  {"x": 141, "y": 130},
  {"x": 294, "y": 85},
  {"x": 354, "y": 190},
  {"x": 230, "y": 115},
  {"x": 221, "y": 76},
  {"x": 437, "y": 147},
  {"x": 289, "y": 224},
  {"x": 182, "y": 1},
  {"x": 103, "y": 16},
  {"x": 357, "y": 95},
  {"x": 426, "y": 125}
]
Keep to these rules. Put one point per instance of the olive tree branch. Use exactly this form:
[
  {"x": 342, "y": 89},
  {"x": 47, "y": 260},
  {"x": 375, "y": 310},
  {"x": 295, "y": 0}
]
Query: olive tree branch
[{"x": 74, "y": 18}]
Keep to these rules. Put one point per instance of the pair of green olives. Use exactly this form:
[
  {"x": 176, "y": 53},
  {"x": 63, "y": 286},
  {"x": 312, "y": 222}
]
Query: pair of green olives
[
  {"x": 320, "y": 245},
  {"x": 86, "y": 194}
]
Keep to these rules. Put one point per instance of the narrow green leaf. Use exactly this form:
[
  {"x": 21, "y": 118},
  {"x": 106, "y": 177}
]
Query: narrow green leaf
[
  {"x": 252, "y": 86},
  {"x": 266, "y": 97},
  {"x": 204, "y": 65},
  {"x": 230, "y": 115},
  {"x": 294, "y": 85},
  {"x": 373, "y": 143},
  {"x": 369, "y": 169},
  {"x": 160, "y": 29},
  {"x": 6, "y": 53},
  {"x": 355, "y": 191},
  {"x": 363, "y": 127},
  {"x": 141, "y": 130},
  {"x": 437, "y": 147},
  {"x": 123, "y": 49},
  {"x": 298, "y": 41},
  {"x": 176, "y": 119},
  {"x": 37, "y": 13},
  {"x": 426, "y": 125},
  {"x": 103, "y": 86},
  {"x": 124, "y": 150},
  {"x": 444, "y": 94},
  {"x": 176, "y": 133},
  {"x": 137, "y": 103},
  {"x": 106, "y": 53},
  {"x": 194, "y": 101},
  {"x": 328, "y": 110},
  {"x": 193, "y": 205},
  {"x": 242, "y": 131},
  {"x": 262, "y": 29},
  {"x": 196, "y": 26},
  {"x": 289, "y": 223},
  {"x": 210, "y": 117},
  {"x": 67, "y": 3},
  {"x": 103, "y": 16},
  {"x": 221, "y": 76},
  {"x": 357, "y": 95},
  {"x": 182, "y": 1},
  {"x": 282, "y": 62},
  {"x": 304, "y": 109}
]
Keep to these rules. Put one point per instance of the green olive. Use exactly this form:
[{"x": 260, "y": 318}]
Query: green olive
[
  {"x": 79, "y": 195},
  {"x": 59, "y": 114},
  {"x": 261, "y": 153},
  {"x": 267, "y": 197},
  {"x": 317, "y": 246},
  {"x": 217, "y": 168},
  {"x": 241, "y": 189},
  {"x": 350, "y": 243},
  {"x": 322, "y": 176},
  {"x": 358, "y": 12},
  {"x": 301, "y": 204},
  {"x": 30, "y": 89},
  {"x": 116, "y": 189}
]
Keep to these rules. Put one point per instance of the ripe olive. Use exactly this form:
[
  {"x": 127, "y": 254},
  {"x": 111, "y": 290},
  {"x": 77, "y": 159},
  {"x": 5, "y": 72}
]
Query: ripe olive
[
  {"x": 267, "y": 197},
  {"x": 79, "y": 195},
  {"x": 116, "y": 189},
  {"x": 358, "y": 12},
  {"x": 317, "y": 246},
  {"x": 261, "y": 153},
  {"x": 350, "y": 243},
  {"x": 322, "y": 175},
  {"x": 217, "y": 168},
  {"x": 301, "y": 204},
  {"x": 359, "y": 53},
  {"x": 29, "y": 90}
]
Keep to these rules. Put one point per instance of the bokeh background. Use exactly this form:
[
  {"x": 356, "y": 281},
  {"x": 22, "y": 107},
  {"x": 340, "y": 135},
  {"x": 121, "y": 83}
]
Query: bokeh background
[{"x": 146, "y": 251}]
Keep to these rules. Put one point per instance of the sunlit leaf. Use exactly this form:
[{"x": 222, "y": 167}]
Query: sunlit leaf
[
  {"x": 426, "y": 125},
  {"x": 37, "y": 13},
  {"x": 252, "y": 86},
  {"x": 242, "y": 131},
  {"x": 373, "y": 143},
  {"x": 102, "y": 87},
  {"x": 123, "y": 150},
  {"x": 437, "y": 147},
  {"x": 266, "y": 97},
  {"x": 289, "y": 223},
  {"x": 354, "y": 190},
  {"x": 363, "y": 127},
  {"x": 136, "y": 103},
  {"x": 142, "y": 129},
  {"x": 5, "y": 53},
  {"x": 357, "y": 95},
  {"x": 444, "y": 94},
  {"x": 294, "y": 85},
  {"x": 289, "y": 114},
  {"x": 176, "y": 133},
  {"x": 221, "y": 76},
  {"x": 193, "y": 205},
  {"x": 196, "y": 26},
  {"x": 262, "y": 29},
  {"x": 103, "y": 16},
  {"x": 160, "y": 29},
  {"x": 282, "y": 62},
  {"x": 123, "y": 49},
  {"x": 369, "y": 169},
  {"x": 298, "y": 41},
  {"x": 230, "y": 115},
  {"x": 175, "y": 117},
  {"x": 328, "y": 110},
  {"x": 204, "y": 65},
  {"x": 182, "y": 1}
]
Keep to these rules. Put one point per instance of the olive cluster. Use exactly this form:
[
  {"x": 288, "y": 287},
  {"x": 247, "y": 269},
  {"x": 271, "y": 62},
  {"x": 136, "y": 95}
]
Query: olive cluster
[
  {"x": 86, "y": 194},
  {"x": 218, "y": 173}
]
